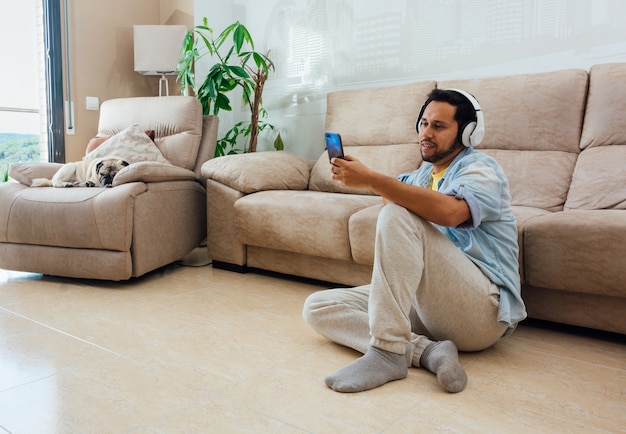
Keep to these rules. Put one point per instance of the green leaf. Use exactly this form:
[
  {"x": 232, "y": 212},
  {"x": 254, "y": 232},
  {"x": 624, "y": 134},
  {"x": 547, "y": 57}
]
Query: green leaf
[
  {"x": 207, "y": 43},
  {"x": 238, "y": 38},
  {"x": 227, "y": 57},
  {"x": 228, "y": 84},
  {"x": 264, "y": 125},
  {"x": 247, "y": 36},
  {"x": 222, "y": 103},
  {"x": 260, "y": 62},
  {"x": 224, "y": 35},
  {"x": 239, "y": 71},
  {"x": 278, "y": 143}
]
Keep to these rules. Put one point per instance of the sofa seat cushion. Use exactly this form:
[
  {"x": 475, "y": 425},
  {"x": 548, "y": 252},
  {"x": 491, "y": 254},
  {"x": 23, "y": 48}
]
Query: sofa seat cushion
[
  {"x": 362, "y": 226},
  {"x": 523, "y": 215},
  {"x": 577, "y": 251},
  {"x": 88, "y": 218},
  {"x": 307, "y": 222}
]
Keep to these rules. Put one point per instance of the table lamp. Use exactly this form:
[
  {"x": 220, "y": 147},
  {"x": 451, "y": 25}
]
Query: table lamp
[{"x": 157, "y": 48}]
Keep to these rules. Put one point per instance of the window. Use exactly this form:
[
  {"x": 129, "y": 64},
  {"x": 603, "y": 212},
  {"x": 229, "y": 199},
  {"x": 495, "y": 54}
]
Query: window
[{"x": 31, "y": 88}]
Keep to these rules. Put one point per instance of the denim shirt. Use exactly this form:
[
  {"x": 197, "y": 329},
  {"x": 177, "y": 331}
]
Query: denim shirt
[{"x": 489, "y": 237}]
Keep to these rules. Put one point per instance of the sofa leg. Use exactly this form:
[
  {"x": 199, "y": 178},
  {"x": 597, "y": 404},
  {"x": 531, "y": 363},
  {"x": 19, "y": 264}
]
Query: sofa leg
[{"x": 230, "y": 267}]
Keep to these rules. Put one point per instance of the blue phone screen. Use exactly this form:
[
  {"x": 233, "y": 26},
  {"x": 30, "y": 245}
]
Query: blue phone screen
[{"x": 334, "y": 146}]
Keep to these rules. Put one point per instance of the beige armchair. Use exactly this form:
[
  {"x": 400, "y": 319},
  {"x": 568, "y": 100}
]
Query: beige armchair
[{"x": 154, "y": 214}]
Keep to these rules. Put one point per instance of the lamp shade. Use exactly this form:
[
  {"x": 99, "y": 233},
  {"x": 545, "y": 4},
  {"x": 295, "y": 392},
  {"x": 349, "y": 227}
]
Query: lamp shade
[{"x": 157, "y": 48}]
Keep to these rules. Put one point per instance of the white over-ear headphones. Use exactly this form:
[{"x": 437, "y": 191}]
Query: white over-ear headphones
[{"x": 472, "y": 132}]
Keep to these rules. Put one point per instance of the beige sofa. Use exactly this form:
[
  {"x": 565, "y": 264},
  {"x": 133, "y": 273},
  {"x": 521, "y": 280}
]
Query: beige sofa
[
  {"x": 154, "y": 214},
  {"x": 560, "y": 137}
]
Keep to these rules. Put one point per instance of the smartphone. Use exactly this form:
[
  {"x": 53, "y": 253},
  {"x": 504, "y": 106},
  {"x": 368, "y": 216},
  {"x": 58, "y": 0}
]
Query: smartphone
[{"x": 333, "y": 145}]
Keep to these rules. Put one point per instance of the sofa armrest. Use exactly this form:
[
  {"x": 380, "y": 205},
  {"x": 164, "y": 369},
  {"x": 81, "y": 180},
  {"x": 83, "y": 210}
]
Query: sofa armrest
[
  {"x": 152, "y": 171},
  {"x": 249, "y": 173},
  {"x": 24, "y": 173}
]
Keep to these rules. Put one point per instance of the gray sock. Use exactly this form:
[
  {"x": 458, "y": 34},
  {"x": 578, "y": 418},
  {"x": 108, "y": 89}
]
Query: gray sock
[
  {"x": 442, "y": 359},
  {"x": 373, "y": 369}
]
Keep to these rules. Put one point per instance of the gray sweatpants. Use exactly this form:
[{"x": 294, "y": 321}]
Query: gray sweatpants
[{"x": 423, "y": 289}]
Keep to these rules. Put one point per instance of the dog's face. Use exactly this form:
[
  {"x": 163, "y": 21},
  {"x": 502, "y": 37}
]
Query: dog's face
[{"x": 107, "y": 168}]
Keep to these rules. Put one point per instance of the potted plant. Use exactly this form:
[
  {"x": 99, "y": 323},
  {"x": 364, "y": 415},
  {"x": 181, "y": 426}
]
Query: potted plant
[{"x": 237, "y": 64}]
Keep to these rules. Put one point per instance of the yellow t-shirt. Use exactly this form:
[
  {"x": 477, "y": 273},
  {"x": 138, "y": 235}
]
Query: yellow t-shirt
[{"x": 436, "y": 177}]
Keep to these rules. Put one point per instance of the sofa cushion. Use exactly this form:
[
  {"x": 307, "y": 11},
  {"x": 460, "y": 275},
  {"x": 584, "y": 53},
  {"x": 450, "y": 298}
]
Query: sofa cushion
[
  {"x": 578, "y": 251},
  {"x": 536, "y": 153},
  {"x": 98, "y": 140},
  {"x": 132, "y": 144},
  {"x": 362, "y": 229},
  {"x": 151, "y": 171},
  {"x": 377, "y": 116},
  {"x": 605, "y": 123},
  {"x": 307, "y": 222},
  {"x": 598, "y": 180},
  {"x": 538, "y": 179},
  {"x": 24, "y": 173},
  {"x": 259, "y": 171},
  {"x": 520, "y": 110},
  {"x": 95, "y": 142},
  {"x": 391, "y": 160},
  {"x": 603, "y": 142},
  {"x": 523, "y": 215},
  {"x": 87, "y": 218},
  {"x": 176, "y": 121}
]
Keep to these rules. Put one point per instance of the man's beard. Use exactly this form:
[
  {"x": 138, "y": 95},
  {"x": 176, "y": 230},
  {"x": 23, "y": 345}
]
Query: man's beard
[{"x": 438, "y": 156}]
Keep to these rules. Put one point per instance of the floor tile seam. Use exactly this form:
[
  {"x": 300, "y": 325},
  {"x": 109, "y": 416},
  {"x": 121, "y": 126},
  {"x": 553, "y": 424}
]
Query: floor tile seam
[
  {"x": 250, "y": 377},
  {"x": 403, "y": 416},
  {"x": 32, "y": 381},
  {"x": 425, "y": 395},
  {"x": 574, "y": 359},
  {"x": 202, "y": 289},
  {"x": 583, "y": 425},
  {"x": 256, "y": 410},
  {"x": 49, "y": 327}
]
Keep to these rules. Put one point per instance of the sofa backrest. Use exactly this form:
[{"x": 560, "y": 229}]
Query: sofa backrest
[
  {"x": 176, "y": 121},
  {"x": 533, "y": 124},
  {"x": 599, "y": 178},
  {"x": 553, "y": 133},
  {"x": 377, "y": 126}
]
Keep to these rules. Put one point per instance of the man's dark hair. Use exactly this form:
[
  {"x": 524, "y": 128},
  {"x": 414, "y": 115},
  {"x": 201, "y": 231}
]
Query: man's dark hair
[{"x": 465, "y": 112}]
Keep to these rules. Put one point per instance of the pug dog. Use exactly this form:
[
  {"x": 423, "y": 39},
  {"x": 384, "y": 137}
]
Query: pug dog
[{"x": 93, "y": 172}]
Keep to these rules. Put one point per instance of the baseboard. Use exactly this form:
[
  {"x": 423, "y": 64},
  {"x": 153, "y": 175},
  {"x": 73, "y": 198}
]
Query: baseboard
[{"x": 230, "y": 267}]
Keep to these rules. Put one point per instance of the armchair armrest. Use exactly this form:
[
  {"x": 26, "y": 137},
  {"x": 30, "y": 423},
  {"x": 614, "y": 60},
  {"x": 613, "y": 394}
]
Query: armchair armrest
[
  {"x": 152, "y": 171},
  {"x": 249, "y": 173},
  {"x": 24, "y": 173}
]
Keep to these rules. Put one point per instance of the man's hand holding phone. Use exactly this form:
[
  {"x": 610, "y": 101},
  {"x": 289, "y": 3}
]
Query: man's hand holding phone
[
  {"x": 334, "y": 146},
  {"x": 346, "y": 169}
]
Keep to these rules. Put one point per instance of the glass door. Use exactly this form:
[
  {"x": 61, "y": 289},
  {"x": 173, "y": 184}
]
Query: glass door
[{"x": 23, "y": 136}]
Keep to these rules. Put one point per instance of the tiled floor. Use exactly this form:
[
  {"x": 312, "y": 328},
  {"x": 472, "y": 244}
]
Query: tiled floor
[{"x": 201, "y": 350}]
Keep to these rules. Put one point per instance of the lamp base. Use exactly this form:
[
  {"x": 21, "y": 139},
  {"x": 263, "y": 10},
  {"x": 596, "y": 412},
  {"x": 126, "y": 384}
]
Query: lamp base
[{"x": 163, "y": 80}]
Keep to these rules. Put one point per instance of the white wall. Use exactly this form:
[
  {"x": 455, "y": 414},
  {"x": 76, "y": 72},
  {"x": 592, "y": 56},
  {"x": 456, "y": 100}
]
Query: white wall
[{"x": 323, "y": 45}]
